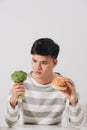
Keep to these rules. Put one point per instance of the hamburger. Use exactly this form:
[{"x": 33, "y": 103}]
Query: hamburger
[{"x": 59, "y": 83}]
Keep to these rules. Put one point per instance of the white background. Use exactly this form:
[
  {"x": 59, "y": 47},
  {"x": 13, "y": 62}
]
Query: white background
[{"x": 24, "y": 21}]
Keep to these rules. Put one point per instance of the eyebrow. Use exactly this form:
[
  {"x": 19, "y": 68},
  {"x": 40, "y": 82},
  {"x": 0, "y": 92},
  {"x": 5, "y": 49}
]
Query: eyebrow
[{"x": 41, "y": 61}]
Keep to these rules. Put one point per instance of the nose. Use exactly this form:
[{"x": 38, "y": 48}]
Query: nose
[{"x": 38, "y": 66}]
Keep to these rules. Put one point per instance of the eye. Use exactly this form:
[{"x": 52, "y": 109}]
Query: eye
[
  {"x": 44, "y": 62},
  {"x": 34, "y": 60}
]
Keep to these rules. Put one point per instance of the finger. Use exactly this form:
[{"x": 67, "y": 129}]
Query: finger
[
  {"x": 71, "y": 86},
  {"x": 20, "y": 93},
  {"x": 18, "y": 86},
  {"x": 20, "y": 83},
  {"x": 68, "y": 80}
]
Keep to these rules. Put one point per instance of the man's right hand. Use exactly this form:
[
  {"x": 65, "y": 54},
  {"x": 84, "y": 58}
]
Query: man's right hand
[{"x": 17, "y": 90}]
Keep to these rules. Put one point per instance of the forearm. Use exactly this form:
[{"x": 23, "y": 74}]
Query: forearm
[
  {"x": 76, "y": 115},
  {"x": 11, "y": 115}
]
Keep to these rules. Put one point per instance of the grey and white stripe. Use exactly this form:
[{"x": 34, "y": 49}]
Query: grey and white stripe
[{"x": 42, "y": 104}]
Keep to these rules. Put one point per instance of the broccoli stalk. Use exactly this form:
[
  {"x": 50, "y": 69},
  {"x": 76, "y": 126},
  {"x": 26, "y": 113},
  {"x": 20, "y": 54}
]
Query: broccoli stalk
[{"x": 19, "y": 76}]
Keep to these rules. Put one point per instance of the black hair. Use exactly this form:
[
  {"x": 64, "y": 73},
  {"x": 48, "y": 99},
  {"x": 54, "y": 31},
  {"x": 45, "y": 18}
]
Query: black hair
[{"x": 45, "y": 47}]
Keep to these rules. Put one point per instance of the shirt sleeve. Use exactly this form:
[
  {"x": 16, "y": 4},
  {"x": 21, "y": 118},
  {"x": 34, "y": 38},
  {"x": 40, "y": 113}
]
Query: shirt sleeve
[
  {"x": 76, "y": 115},
  {"x": 11, "y": 114}
]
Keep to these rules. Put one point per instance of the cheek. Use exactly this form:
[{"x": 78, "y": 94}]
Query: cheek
[
  {"x": 47, "y": 68},
  {"x": 33, "y": 66}
]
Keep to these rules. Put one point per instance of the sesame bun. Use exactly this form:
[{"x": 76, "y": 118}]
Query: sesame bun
[{"x": 59, "y": 83}]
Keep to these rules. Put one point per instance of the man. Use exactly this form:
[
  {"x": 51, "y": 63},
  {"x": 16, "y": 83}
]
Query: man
[{"x": 42, "y": 104}]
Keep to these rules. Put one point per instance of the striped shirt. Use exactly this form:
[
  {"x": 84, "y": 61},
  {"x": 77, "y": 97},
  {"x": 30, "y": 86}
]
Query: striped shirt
[{"x": 42, "y": 104}]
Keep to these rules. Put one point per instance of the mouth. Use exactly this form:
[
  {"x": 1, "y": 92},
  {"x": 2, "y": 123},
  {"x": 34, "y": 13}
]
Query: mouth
[{"x": 37, "y": 72}]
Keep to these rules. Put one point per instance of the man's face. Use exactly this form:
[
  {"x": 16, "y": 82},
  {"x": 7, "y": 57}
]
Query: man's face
[{"x": 42, "y": 65}]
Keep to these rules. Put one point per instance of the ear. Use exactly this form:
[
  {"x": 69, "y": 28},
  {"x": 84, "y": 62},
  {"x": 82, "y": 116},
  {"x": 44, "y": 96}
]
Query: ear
[{"x": 55, "y": 62}]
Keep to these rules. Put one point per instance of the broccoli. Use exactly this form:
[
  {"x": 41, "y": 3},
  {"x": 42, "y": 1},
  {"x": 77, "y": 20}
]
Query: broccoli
[{"x": 19, "y": 76}]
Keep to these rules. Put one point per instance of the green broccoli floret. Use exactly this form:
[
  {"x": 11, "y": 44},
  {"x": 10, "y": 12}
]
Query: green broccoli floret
[{"x": 19, "y": 76}]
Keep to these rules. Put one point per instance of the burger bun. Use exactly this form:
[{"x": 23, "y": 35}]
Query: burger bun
[{"x": 59, "y": 83}]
